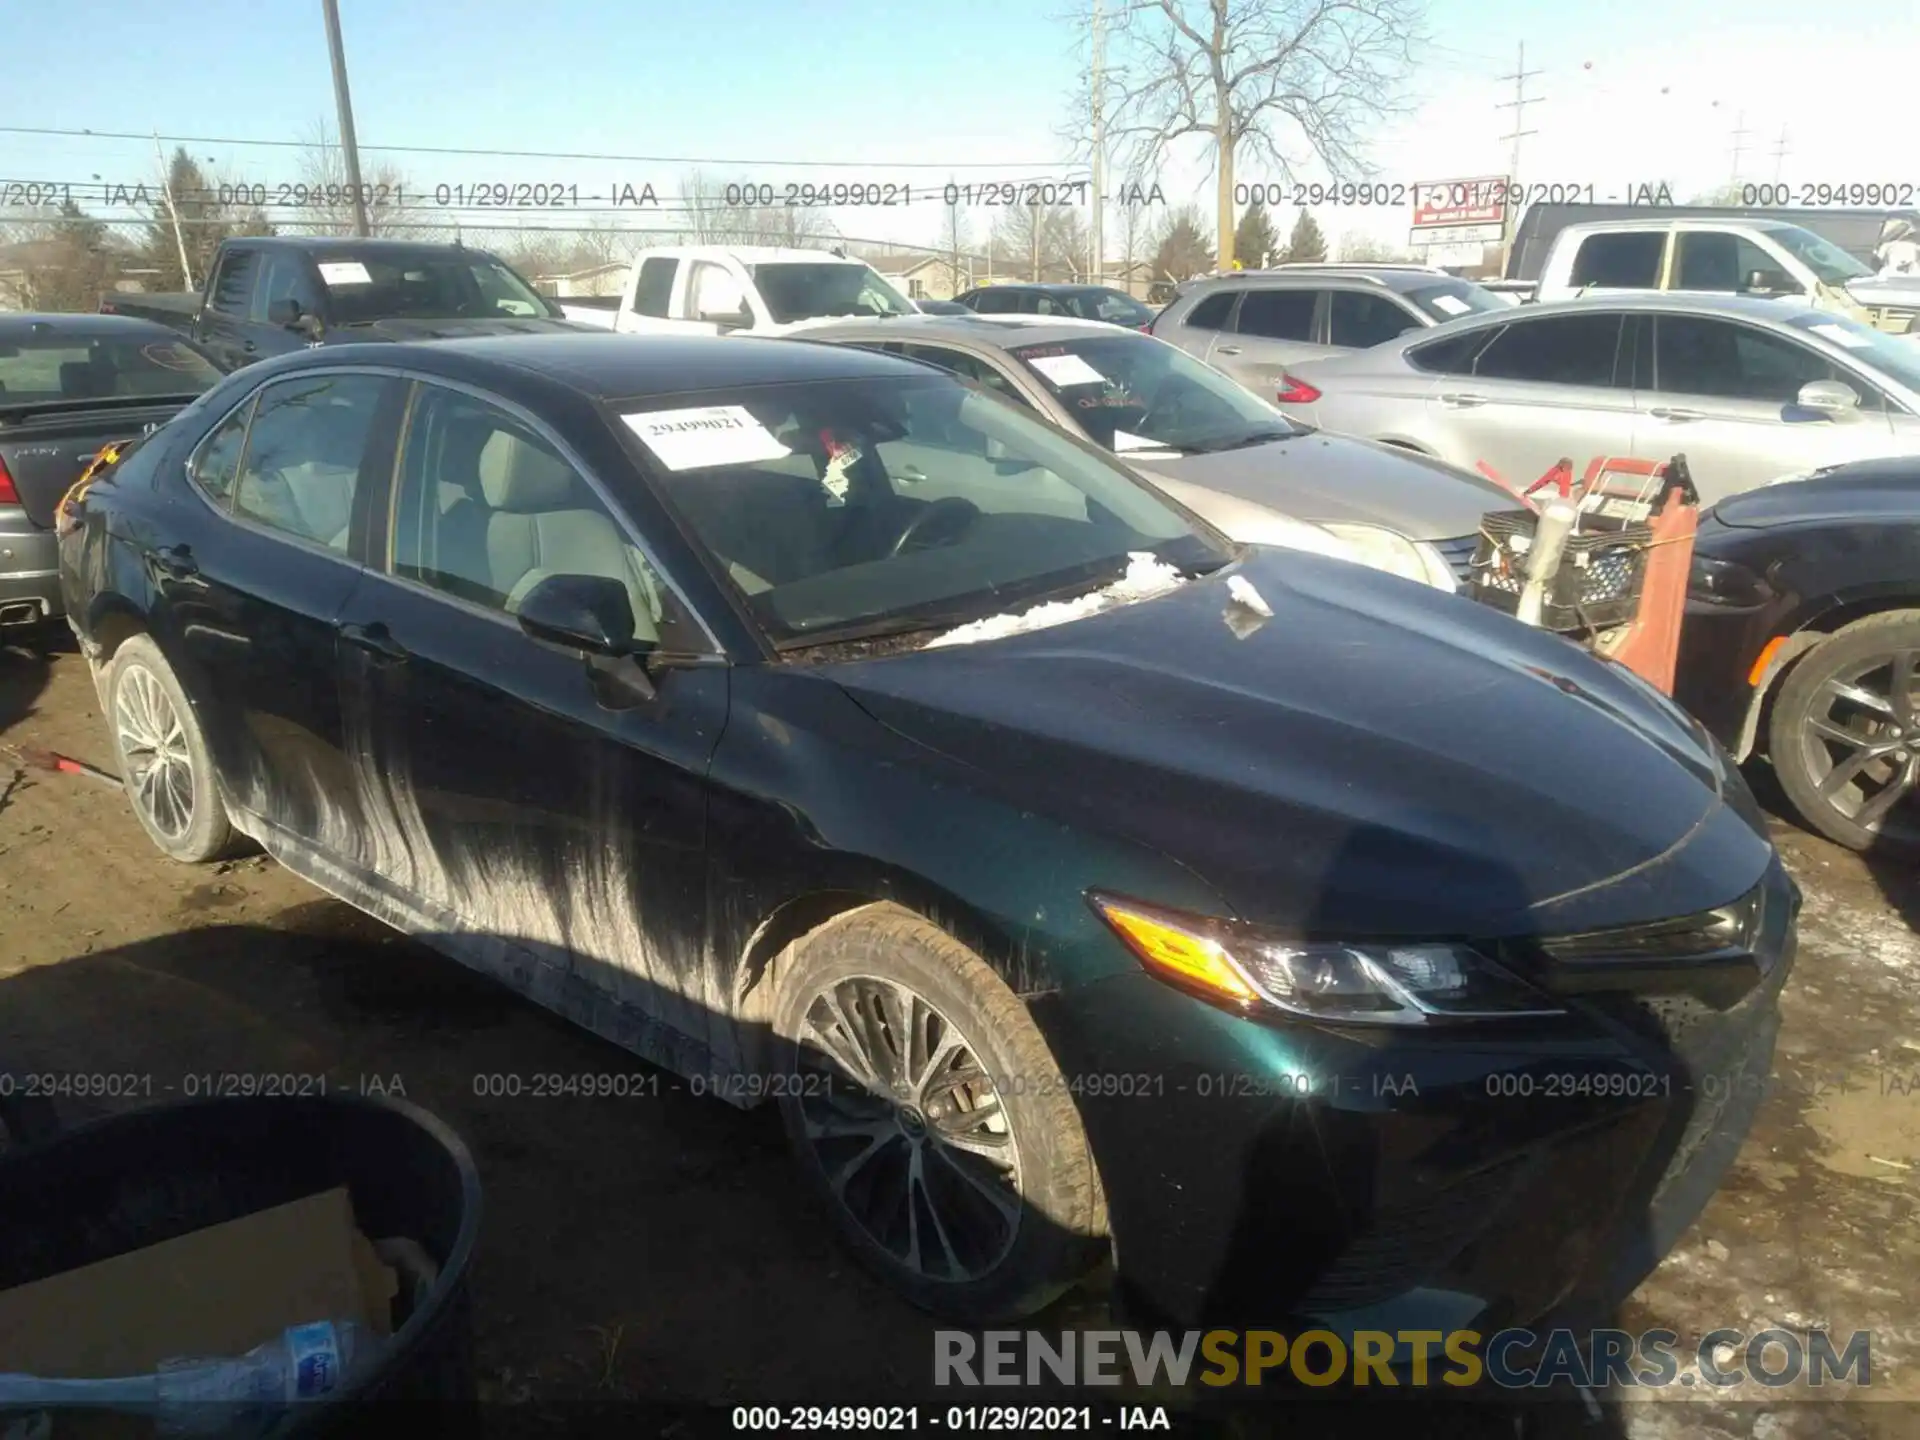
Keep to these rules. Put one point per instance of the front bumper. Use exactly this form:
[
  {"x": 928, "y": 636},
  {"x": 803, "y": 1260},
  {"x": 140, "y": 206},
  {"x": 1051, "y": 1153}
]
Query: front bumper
[
  {"x": 29, "y": 571},
  {"x": 1280, "y": 1176}
]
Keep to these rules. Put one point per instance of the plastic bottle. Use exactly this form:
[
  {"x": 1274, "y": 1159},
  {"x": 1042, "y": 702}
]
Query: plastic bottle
[{"x": 193, "y": 1396}]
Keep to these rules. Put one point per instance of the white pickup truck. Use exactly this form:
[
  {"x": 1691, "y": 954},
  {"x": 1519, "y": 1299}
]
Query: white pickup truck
[{"x": 745, "y": 289}]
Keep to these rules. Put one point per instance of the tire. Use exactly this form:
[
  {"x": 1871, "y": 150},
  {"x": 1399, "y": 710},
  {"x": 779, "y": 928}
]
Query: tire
[
  {"x": 1004, "y": 1248},
  {"x": 164, "y": 761},
  {"x": 1807, "y": 736}
]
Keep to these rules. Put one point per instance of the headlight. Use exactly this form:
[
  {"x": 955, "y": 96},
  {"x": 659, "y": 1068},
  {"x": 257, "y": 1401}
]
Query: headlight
[
  {"x": 1722, "y": 582},
  {"x": 1393, "y": 552},
  {"x": 1376, "y": 983}
]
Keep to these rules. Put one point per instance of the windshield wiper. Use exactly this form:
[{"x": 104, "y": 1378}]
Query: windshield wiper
[{"x": 1243, "y": 442}]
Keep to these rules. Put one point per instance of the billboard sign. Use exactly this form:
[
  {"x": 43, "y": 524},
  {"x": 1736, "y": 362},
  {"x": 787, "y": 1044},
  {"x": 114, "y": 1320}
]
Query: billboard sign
[{"x": 1455, "y": 204}]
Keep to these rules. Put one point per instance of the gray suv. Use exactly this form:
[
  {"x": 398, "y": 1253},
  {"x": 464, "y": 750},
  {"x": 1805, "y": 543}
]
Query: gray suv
[{"x": 1255, "y": 323}]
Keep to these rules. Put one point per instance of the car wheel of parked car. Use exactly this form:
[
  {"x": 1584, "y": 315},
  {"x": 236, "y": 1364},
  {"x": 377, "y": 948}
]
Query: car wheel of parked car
[
  {"x": 164, "y": 762},
  {"x": 932, "y": 1120},
  {"x": 1844, "y": 739}
]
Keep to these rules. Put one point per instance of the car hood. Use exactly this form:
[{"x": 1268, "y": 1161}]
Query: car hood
[
  {"x": 1886, "y": 289},
  {"x": 1886, "y": 489},
  {"x": 455, "y": 329},
  {"x": 1374, "y": 759},
  {"x": 1334, "y": 479}
]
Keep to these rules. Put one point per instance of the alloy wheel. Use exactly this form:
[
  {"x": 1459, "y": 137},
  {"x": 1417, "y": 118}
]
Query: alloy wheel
[
  {"x": 909, "y": 1129},
  {"x": 154, "y": 755},
  {"x": 1861, "y": 743}
]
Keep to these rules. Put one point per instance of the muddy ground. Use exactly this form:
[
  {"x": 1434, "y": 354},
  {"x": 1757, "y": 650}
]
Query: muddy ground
[{"x": 656, "y": 1247}]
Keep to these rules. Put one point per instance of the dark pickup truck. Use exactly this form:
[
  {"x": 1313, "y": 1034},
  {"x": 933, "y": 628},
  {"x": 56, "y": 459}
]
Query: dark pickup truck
[{"x": 275, "y": 294}]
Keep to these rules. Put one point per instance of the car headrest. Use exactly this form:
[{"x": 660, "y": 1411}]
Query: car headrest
[{"x": 515, "y": 474}]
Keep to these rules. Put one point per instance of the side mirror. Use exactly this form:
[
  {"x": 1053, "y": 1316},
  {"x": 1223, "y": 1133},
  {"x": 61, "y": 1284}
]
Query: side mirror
[
  {"x": 726, "y": 319},
  {"x": 580, "y": 612},
  {"x": 1830, "y": 398},
  {"x": 1769, "y": 282}
]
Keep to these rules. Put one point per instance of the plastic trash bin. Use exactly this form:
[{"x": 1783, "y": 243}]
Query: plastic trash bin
[{"x": 143, "y": 1176}]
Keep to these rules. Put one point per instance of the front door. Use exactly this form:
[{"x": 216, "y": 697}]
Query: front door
[
  {"x": 1272, "y": 329},
  {"x": 225, "y": 329},
  {"x": 525, "y": 805}
]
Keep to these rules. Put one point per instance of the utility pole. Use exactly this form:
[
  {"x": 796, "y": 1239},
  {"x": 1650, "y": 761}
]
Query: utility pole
[
  {"x": 1099, "y": 143},
  {"x": 1779, "y": 154},
  {"x": 1519, "y": 103},
  {"x": 1739, "y": 148},
  {"x": 173, "y": 212},
  {"x": 1034, "y": 232},
  {"x": 349, "y": 147}
]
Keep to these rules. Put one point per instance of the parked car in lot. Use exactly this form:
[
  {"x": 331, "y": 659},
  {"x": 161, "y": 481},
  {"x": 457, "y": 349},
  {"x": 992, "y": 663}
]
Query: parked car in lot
[
  {"x": 70, "y": 384},
  {"x": 1801, "y": 639},
  {"x": 739, "y": 289},
  {"x": 1066, "y": 873},
  {"x": 940, "y": 307},
  {"x": 1224, "y": 453},
  {"x": 1748, "y": 389},
  {"x": 1256, "y": 323},
  {"x": 1723, "y": 255},
  {"x": 1078, "y": 302},
  {"x": 272, "y": 295}
]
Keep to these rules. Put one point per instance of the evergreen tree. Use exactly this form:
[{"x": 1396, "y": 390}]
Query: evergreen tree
[
  {"x": 1306, "y": 244},
  {"x": 1254, "y": 243}
]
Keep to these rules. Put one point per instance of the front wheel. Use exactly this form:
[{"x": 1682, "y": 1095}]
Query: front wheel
[
  {"x": 164, "y": 761},
  {"x": 931, "y": 1120},
  {"x": 1844, "y": 739}
]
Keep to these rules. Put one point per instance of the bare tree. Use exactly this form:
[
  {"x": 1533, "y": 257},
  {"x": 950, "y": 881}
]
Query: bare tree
[
  {"x": 1286, "y": 81},
  {"x": 68, "y": 261},
  {"x": 718, "y": 213},
  {"x": 1045, "y": 241},
  {"x": 328, "y": 207},
  {"x": 953, "y": 240},
  {"x": 1359, "y": 248}
]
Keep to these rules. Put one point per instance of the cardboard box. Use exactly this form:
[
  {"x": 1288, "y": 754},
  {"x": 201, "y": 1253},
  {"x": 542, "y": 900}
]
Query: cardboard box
[{"x": 215, "y": 1292}]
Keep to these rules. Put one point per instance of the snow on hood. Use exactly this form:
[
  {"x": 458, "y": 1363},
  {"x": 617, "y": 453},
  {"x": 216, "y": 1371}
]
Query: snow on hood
[{"x": 1146, "y": 577}]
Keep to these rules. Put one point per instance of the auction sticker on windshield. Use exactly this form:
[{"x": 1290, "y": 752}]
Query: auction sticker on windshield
[
  {"x": 344, "y": 272},
  {"x": 1452, "y": 304},
  {"x": 708, "y": 435},
  {"x": 1067, "y": 370}
]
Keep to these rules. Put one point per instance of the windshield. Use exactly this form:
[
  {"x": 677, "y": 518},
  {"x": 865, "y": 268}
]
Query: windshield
[
  {"x": 851, "y": 508},
  {"x": 1895, "y": 356},
  {"x": 76, "y": 367},
  {"x": 1112, "y": 306},
  {"x": 1828, "y": 261},
  {"x": 810, "y": 290},
  {"x": 367, "y": 288},
  {"x": 1132, "y": 392},
  {"x": 1450, "y": 299}
]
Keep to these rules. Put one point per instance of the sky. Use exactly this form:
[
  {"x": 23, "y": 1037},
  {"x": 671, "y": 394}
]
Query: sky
[{"x": 830, "y": 92}]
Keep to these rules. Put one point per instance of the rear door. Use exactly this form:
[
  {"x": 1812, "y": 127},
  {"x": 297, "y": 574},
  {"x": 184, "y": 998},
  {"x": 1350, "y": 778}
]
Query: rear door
[
  {"x": 226, "y": 326},
  {"x": 284, "y": 275},
  {"x": 1544, "y": 388},
  {"x": 1273, "y": 326},
  {"x": 1725, "y": 393},
  {"x": 652, "y": 306}
]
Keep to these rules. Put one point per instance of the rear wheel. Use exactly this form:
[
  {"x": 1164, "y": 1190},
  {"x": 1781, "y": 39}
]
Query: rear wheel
[
  {"x": 1844, "y": 738},
  {"x": 164, "y": 761},
  {"x": 931, "y": 1119}
]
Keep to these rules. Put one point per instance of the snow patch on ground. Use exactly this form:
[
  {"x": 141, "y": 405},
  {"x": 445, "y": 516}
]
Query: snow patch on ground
[
  {"x": 1146, "y": 577},
  {"x": 1875, "y": 934}
]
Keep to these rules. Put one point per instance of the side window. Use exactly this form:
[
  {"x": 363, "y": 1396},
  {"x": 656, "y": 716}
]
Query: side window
[
  {"x": 1563, "y": 350},
  {"x": 1451, "y": 356},
  {"x": 1212, "y": 312},
  {"x": 1358, "y": 319},
  {"x": 217, "y": 461},
  {"x": 713, "y": 291},
  {"x": 655, "y": 290},
  {"x": 1278, "y": 314},
  {"x": 1628, "y": 260},
  {"x": 1733, "y": 362},
  {"x": 303, "y": 454},
  {"x": 996, "y": 301},
  {"x": 284, "y": 277},
  {"x": 1038, "y": 302},
  {"x": 233, "y": 286},
  {"x": 486, "y": 508},
  {"x": 967, "y": 367},
  {"x": 1716, "y": 260}
]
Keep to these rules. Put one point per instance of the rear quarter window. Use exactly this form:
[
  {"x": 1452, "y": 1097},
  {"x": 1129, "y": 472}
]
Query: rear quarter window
[
  {"x": 1451, "y": 356},
  {"x": 1211, "y": 313}
]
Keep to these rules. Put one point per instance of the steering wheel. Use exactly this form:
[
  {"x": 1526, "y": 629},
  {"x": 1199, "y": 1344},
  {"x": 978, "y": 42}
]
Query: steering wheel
[{"x": 942, "y": 522}]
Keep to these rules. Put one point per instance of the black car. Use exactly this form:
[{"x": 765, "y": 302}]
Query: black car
[
  {"x": 830, "y": 731},
  {"x": 69, "y": 385},
  {"x": 1800, "y": 641},
  {"x": 1077, "y": 302}
]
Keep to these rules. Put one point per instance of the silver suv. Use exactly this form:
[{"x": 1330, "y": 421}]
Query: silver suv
[{"x": 1254, "y": 323}]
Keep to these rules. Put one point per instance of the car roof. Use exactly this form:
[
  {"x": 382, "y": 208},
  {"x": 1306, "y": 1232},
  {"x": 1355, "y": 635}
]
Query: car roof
[
  {"x": 1389, "y": 278},
  {"x": 629, "y": 367},
  {"x": 998, "y": 332},
  {"x": 1048, "y": 286},
  {"x": 83, "y": 326},
  {"x": 1673, "y": 302},
  {"x": 318, "y": 244},
  {"x": 1679, "y": 222},
  {"x": 746, "y": 254}
]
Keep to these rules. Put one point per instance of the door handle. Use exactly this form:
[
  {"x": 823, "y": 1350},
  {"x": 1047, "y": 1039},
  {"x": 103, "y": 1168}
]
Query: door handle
[
  {"x": 1667, "y": 412},
  {"x": 177, "y": 561},
  {"x": 1462, "y": 399},
  {"x": 1227, "y": 350},
  {"x": 248, "y": 346},
  {"x": 910, "y": 475},
  {"x": 376, "y": 640}
]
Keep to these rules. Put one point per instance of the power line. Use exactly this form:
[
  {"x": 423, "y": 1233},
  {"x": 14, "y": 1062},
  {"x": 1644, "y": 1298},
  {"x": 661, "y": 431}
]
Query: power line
[
  {"x": 1779, "y": 154},
  {"x": 545, "y": 154},
  {"x": 1518, "y": 105},
  {"x": 1739, "y": 146}
]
